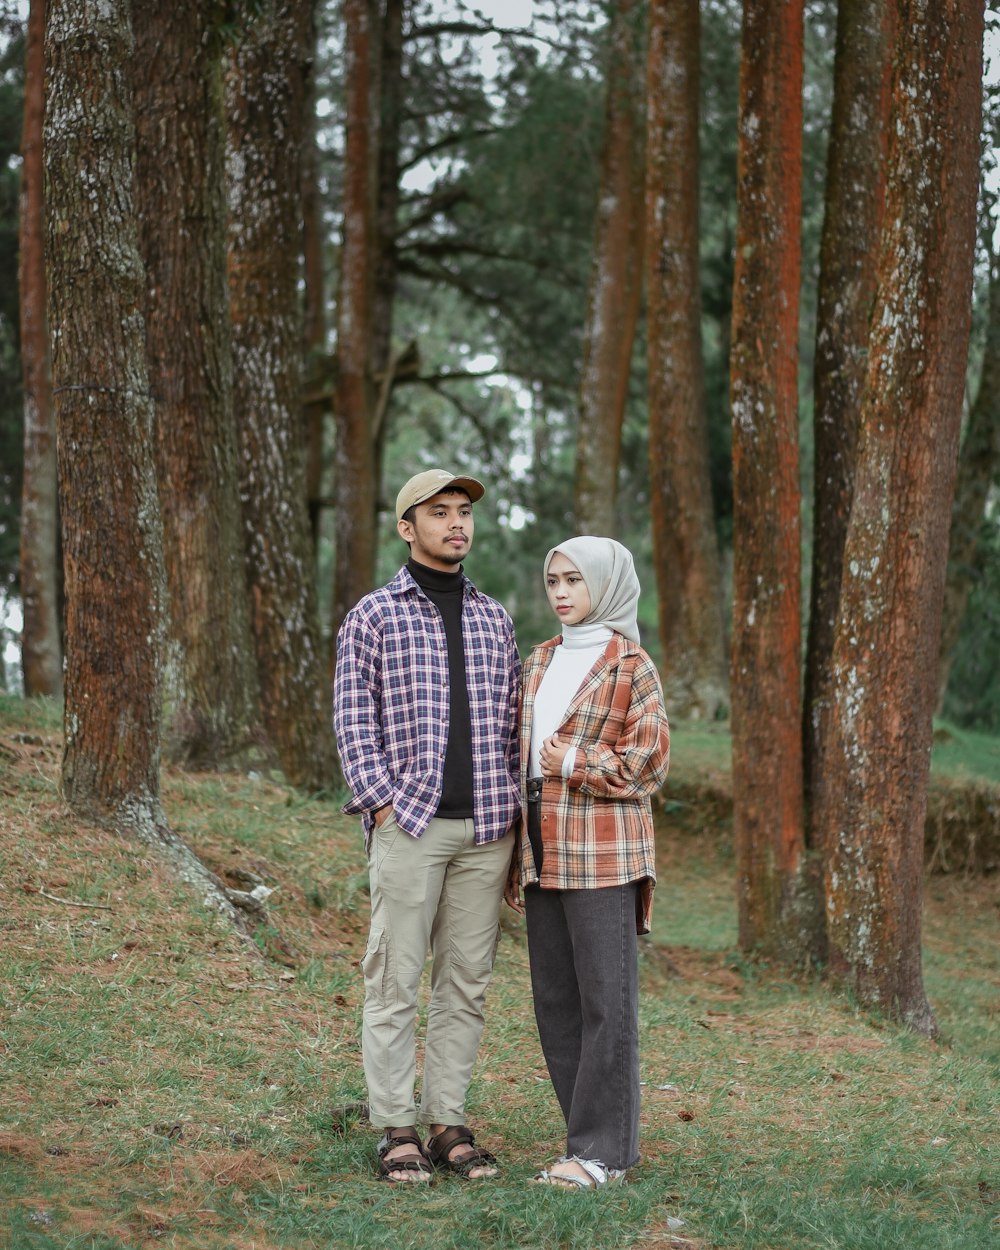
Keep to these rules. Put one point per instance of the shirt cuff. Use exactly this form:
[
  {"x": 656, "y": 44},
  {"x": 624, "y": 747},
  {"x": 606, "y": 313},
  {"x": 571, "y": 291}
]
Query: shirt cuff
[{"x": 370, "y": 799}]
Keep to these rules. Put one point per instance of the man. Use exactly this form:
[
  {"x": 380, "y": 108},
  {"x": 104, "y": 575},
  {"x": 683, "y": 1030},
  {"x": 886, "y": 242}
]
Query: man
[{"x": 425, "y": 712}]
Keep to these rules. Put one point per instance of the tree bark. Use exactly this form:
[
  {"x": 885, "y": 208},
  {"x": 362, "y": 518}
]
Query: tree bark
[
  {"x": 774, "y": 906},
  {"x": 213, "y": 715},
  {"x": 317, "y": 361},
  {"x": 688, "y": 568},
  {"x": 41, "y": 644},
  {"x": 387, "y": 204},
  {"x": 615, "y": 278},
  {"x": 266, "y": 99},
  {"x": 877, "y": 762},
  {"x": 855, "y": 195},
  {"x": 112, "y": 537},
  {"x": 978, "y": 467},
  {"x": 356, "y": 480}
]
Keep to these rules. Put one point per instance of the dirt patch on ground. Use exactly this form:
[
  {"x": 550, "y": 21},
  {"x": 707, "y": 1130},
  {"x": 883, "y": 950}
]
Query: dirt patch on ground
[
  {"x": 17, "y": 1146},
  {"x": 244, "y": 1168}
]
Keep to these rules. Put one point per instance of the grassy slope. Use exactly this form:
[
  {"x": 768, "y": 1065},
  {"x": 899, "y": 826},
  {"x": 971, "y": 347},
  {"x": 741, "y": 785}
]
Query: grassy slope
[{"x": 158, "y": 1085}]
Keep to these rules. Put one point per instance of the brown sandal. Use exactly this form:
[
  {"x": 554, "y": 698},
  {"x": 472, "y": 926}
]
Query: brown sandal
[
  {"x": 417, "y": 1162},
  {"x": 440, "y": 1147}
]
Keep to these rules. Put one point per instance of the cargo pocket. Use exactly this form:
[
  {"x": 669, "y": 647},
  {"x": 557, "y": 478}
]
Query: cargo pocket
[{"x": 375, "y": 965}]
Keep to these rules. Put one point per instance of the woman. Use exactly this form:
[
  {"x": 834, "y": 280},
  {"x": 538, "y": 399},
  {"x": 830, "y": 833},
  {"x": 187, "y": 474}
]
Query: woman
[{"x": 594, "y": 746}]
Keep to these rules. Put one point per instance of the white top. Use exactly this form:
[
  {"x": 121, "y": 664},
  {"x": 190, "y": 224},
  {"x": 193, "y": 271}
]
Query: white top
[{"x": 582, "y": 646}]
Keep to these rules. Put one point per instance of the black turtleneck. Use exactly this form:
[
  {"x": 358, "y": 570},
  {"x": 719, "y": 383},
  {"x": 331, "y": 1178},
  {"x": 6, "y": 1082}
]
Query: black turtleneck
[{"x": 447, "y": 592}]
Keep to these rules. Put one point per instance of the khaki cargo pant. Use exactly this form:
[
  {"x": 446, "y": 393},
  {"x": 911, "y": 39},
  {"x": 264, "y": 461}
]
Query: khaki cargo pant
[{"x": 441, "y": 892}]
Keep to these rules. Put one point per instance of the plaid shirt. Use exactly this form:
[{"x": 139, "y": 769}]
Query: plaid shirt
[
  {"x": 597, "y": 825},
  {"x": 391, "y": 696}
]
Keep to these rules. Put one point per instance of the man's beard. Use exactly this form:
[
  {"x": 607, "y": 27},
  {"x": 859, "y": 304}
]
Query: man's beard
[{"x": 451, "y": 556}]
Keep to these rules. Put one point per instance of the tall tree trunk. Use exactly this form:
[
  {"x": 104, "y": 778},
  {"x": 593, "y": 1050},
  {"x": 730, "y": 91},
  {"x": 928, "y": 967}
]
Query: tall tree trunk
[
  {"x": 367, "y": 365},
  {"x": 112, "y": 538},
  {"x": 213, "y": 717},
  {"x": 383, "y": 361},
  {"x": 855, "y": 195},
  {"x": 41, "y": 645},
  {"x": 877, "y": 762},
  {"x": 317, "y": 362},
  {"x": 688, "y": 568},
  {"x": 387, "y": 203},
  {"x": 766, "y": 702},
  {"x": 615, "y": 277},
  {"x": 266, "y": 98},
  {"x": 356, "y": 483},
  {"x": 978, "y": 467}
]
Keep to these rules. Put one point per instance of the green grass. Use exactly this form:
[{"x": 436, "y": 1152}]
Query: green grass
[
  {"x": 962, "y": 753},
  {"x": 39, "y": 715},
  {"x": 162, "y": 1085},
  {"x": 700, "y": 749}
]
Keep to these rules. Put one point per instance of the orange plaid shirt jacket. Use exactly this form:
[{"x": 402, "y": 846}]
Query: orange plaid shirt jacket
[{"x": 597, "y": 825}]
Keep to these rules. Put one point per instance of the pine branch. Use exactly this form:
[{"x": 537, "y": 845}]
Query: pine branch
[
  {"x": 457, "y": 247},
  {"x": 434, "y": 380},
  {"x": 486, "y": 27},
  {"x": 434, "y": 204},
  {"x": 447, "y": 141},
  {"x": 464, "y": 410}
]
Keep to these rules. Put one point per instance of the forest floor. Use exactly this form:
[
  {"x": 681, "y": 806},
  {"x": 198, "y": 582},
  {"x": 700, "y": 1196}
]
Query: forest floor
[{"x": 163, "y": 1084}]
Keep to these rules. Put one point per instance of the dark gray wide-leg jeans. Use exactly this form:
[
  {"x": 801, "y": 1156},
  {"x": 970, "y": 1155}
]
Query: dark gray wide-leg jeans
[{"x": 585, "y": 981}]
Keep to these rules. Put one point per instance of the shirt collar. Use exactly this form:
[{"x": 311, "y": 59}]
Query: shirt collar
[{"x": 405, "y": 583}]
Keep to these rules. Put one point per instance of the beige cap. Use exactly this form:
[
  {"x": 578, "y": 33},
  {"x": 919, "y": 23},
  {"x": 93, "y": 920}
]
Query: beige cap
[{"x": 432, "y": 482}]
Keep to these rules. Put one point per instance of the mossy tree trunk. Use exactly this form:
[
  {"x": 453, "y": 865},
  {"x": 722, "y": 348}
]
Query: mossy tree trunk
[
  {"x": 854, "y": 200},
  {"x": 877, "y": 762},
  {"x": 112, "y": 536},
  {"x": 112, "y": 539}
]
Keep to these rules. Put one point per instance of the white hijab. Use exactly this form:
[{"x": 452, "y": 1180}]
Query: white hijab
[{"x": 609, "y": 573}]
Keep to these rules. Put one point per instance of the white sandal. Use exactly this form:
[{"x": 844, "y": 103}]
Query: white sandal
[{"x": 598, "y": 1174}]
